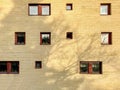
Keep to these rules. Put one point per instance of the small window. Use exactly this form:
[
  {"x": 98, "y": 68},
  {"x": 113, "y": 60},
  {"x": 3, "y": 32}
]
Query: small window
[
  {"x": 9, "y": 67},
  {"x": 38, "y": 64},
  {"x": 20, "y": 38},
  {"x": 39, "y": 9},
  {"x": 105, "y": 9},
  {"x": 106, "y": 38},
  {"x": 69, "y": 35},
  {"x": 69, "y": 6},
  {"x": 45, "y": 38},
  {"x": 90, "y": 67}
]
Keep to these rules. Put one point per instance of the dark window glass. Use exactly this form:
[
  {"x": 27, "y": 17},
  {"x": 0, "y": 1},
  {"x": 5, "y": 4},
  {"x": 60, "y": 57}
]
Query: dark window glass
[
  {"x": 15, "y": 67},
  {"x": 20, "y": 38},
  {"x": 69, "y": 35},
  {"x": 3, "y": 67},
  {"x": 38, "y": 64},
  {"x": 9, "y": 67}
]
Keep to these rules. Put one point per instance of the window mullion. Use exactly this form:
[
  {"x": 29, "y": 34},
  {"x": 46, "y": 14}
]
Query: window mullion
[
  {"x": 90, "y": 68},
  {"x": 8, "y": 67},
  {"x": 39, "y": 10}
]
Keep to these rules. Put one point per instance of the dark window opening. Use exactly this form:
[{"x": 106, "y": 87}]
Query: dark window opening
[
  {"x": 38, "y": 64},
  {"x": 69, "y": 35},
  {"x": 9, "y": 67},
  {"x": 19, "y": 38}
]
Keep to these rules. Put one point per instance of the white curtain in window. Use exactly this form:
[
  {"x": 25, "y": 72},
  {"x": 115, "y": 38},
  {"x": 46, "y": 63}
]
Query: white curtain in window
[
  {"x": 105, "y": 38},
  {"x": 68, "y": 7},
  {"x": 33, "y": 10},
  {"x": 104, "y": 9},
  {"x": 45, "y": 10},
  {"x": 45, "y": 35}
]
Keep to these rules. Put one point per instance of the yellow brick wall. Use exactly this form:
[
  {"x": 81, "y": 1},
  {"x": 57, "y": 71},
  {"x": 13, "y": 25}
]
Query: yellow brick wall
[{"x": 61, "y": 59}]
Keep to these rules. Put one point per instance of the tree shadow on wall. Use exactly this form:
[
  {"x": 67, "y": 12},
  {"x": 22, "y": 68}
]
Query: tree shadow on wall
[{"x": 61, "y": 63}]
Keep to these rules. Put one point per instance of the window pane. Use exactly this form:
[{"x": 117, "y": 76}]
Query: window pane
[
  {"x": 3, "y": 67},
  {"x": 84, "y": 68},
  {"x": 95, "y": 67},
  {"x": 45, "y": 10},
  {"x": 105, "y": 38},
  {"x": 20, "y": 38},
  {"x": 15, "y": 67},
  {"x": 104, "y": 9},
  {"x": 45, "y": 38},
  {"x": 69, "y": 35},
  {"x": 38, "y": 64},
  {"x": 33, "y": 10}
]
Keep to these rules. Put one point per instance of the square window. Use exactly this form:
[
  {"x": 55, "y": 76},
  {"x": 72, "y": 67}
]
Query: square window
[
  {"x": 69, "y": 6},
  {"x": 9, "y": 67},
  {"x": 106, "y": 38},
  {"x": 20, "y": 38},
  {"x": 45, "y": 38},
  {"x": 39, "y": 9},
  {"x": 105, "y": 9},
  {"x": 90, "y": 67},
  {"x": 38, "y": 64},
  {"x": 69, "y": 35}
]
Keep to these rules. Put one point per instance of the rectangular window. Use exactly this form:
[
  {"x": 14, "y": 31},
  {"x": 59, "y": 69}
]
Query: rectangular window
[
  {"x": 106, "y": 38},
  {"x": 38, "y": 64},
  {"x": 45, "y": 38},
  {"x": 39, "y": 9},
  {"x": 105, "y": 9},
  {"x": 9, "y": 67},
  {"x": 69, "y": 35},
  {"x": 20, "y": 38},
  {"x": 69, "y": 6},
  {"x": 90, "y": 67}
]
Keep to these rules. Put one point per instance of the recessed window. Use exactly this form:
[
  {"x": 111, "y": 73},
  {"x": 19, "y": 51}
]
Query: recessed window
[
  {"x": 9, "y": 67},
  {"x": 105, "y": 9},
  {"x": 45, "y": 38},
  {"x": 69, "y": 35},
  {"x": 38, "y": 64},
  {"x": 90, "y": 67},
  {"x": 69, "y": 6},
  {"x": 106, "y": 38},
  {"x": 39, "y": 9},
  {"x": 20, "y": 38}
]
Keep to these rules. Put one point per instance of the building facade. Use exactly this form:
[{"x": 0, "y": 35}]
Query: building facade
[{"x": 59, "y": 45}]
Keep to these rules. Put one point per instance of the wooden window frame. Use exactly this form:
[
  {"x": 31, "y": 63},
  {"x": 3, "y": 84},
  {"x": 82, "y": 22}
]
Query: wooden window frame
[
  {"x": 41, "y": 43},
  {"x": 109, "y": 9},
  {"x": 38, "y": 62},
  {"x": 39, "y": 9},
  {"x": 69, "y": 35},
  {"x": 16, "y": 36},
  {"x": 9, "y": 67},
  {"x": 90, "y": 68},
  {"x": 69, "y": 4},
  {"x": 109, "y": 38}
]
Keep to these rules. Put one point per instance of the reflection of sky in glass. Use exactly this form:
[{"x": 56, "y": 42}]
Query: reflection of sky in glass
[
  {"x": 45, "y": 10},
  {"x": 104, "y": 9},
  {"x": 33, "y": 10},
  {"x": 45, "y": 35}
]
